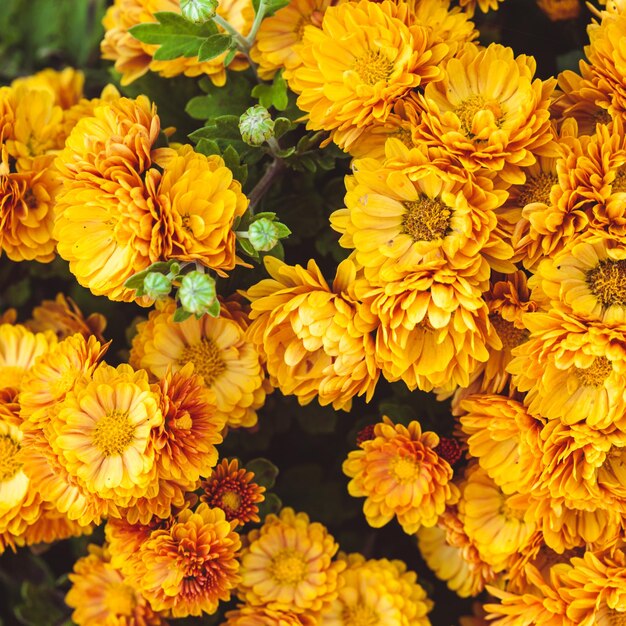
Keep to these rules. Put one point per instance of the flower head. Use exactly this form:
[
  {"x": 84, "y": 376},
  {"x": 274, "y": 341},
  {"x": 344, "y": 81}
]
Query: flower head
[{"x": 401, "y": 475}]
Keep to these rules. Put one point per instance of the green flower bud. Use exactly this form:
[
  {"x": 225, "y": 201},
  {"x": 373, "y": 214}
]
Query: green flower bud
[
  {"x": 263, "y": 234},
  {"x": 198, "y": 11},
  {"x": 157, "y": 285},
  {"x": 256, "y": 125},
  {"x": 197, "y": 293}
]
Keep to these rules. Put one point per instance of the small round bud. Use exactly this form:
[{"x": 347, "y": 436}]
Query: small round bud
[
  {"x": 263, "y": 234},
  {"x": 256, "y": 125},
  {"x": 197, "y": 292},
  {"x": 157, "y": 285},
  {"x": 198, "y": 11}
]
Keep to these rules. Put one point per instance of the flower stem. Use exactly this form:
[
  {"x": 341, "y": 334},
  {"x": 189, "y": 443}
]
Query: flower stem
[
  {"x": 258, "y": 18},
  {"x": 242, "y": 42},
  {"x": 275, "y": 169}
]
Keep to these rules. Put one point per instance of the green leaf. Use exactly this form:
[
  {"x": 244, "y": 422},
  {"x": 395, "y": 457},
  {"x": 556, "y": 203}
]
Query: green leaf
[
  {"x": 282, "y": 125},
  {"x": 207, "y": 147},
  {"x": 214, "y": 309},
  {"x": 271, "y": 504},
  {"x": 176, "y": 36},
  {"x": 270, "y": 215},
  {"x": 180, "y": 315},
  {"x": 248, "y": 248},
  {"x": 265, "y": 472},
  {"x": 233, "y": 163},
  {"x": 274, "y": 95},
  {"x": 136, "y": 280},
  {"x": 271, "y": 6},
  {"x": 230, "y": 56},
  {"x": 214, "y": 45},
  {"x": 231, "y": 99},
  {"x": 281, "y": 230}
]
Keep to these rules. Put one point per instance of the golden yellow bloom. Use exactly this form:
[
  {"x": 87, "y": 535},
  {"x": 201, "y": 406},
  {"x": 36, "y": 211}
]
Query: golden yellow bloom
[
  {"x": 99, "y": 595},
  {"x": 357, "y": 65},
  {"x": 312, "y": 337},
  {"x": 63, "y": 316},
  {"x": 571, "y": 355},
  {"x": 484, "y": 5},
  {"x": 26, "y": 211},
  {"x": 400, "y": 475},
  {"x": 286, "y": 565},
  {"x": 219, "y": 351},
  {"x": 377, "y": 592},
  {"x": 493, "y": 521},
  {"x": 541, "y": 605},
  {"x": 8, "y": 317},
  {"x": 396, "y": 224},
  {"x": 558, "y": 10},
  {"x": 105, "y": 433},
  {"x": 488, "y": 112},
  {"x": 262, "y": 616},
  {"x": 133, "y": 58},
  {"x": 233, "y": 490},
  {"x": 453, "y": 556},
  {"x": 189, "y": 567},
  {"x": 202, "y": 200},
  {"x": 19, "y": 349},
  {"x": 504, "y": 438},
  {"x": 594, "y": 588},
  {"x": 9, "y": 406},
  {"x": 66, "y": 86},
  {"x": 275, "y": 46},
  {"x": 108, "y": 223}
]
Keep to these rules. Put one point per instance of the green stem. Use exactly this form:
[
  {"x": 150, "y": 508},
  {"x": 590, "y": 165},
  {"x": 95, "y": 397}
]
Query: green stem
[
  {"x": 275, "y": 169},
  {"x": 258, "y": 18},
  {"x": 242, "y": 42}
]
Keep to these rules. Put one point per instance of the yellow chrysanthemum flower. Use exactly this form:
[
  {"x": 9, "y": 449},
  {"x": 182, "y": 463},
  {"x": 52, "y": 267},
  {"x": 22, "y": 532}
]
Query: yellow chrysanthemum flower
[
  {"x": 262, "y": 616},
  {"x": 63, "y": 317},
  {"x": 377, "y": 592},
  {"x": 287, "y": 565},
  {"x": 493, "y": 521},
  {"x": 19, "y": 349},
  {"x": 357, "y": 65},
  {"x": 395, "y": 224},
  {"x": 400, "y": 475},
  {"x": 559, "y": 10},
  {"x": 189, "y": 567},
  {"x": 202, "y": 220},
  {"x": 571, "y": 355},
  {"x": 105, "y": 433},
  {"x": 312, "y": 337},
  {"x": 99, "y": 595},
  {"x": 66, "y": 86},
  {"x": 276, "y": 44},
  {"x": 488, "y": 112},
  {"x": 134, "y": 58},
  {"x": 219, "y": 351},
  {"x": 453, "y": 557},
  {"x": 504, "y": 438}
]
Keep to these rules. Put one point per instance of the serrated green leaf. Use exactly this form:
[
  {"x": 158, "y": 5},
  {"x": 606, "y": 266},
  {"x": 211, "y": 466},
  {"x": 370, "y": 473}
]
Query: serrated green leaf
[
  {"x": 270, "y": 215},
  {"x": 180, "y": 315},
  {"x": 160, "y": 266},
  {"x": 207, "y": 147},
  {"x": 231, "y": 99},
  {"x": 233, "y": 163},
  {"x": 214, "y": 45},
  {"x": 274, "y": 95},
  {"x": 281, "y": 230},
  {"x": 265, "y": 472},
  {"x": 286, "y": 153},
  {"x": 282, "y": 125},
  {"x": 136, "y": 280},
  {"x": 176, "y": 36}
]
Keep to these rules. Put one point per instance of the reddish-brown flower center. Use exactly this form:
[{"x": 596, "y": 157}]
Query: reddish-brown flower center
[
  {"x": 9, "y": 466},
  {"x": 426, "y": 219},
  {"x": 607, "y": 281},
  {"x": 596, "y": 373}
]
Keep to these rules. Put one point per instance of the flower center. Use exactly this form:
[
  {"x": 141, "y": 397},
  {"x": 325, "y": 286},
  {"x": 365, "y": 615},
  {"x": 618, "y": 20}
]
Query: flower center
[
  {"x": 509, "y": 334},
  {"x": 405, "y": 136},
  {"x": 607, "y": 282},
  {"x": 596, "y": 374},
  {"x": 467, "y": 110},
  {"x": 426, "y": 219},
  {"x": 509, "y": 512},
  {"x": 8, "y": 453},
  {"x": 537, "y": 188},
  {"x": 360, "y": 615},
  {"x": 405, "y": 469},
  {"x": 206, "y": 358},
  {"x": 288, "y": 567},
  {"x": 611, "y": 617},
  {"x": 619, "y": 184},
  {"x": 114, "y": 433},
  {"x": 231, "y": 500},
  {"x": 119, "y": 598},
  {"x": 373, "y": 67}
]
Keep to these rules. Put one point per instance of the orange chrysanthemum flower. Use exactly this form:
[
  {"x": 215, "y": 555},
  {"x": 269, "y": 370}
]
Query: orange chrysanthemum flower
[
  {"x": 134, "y": 58},
  {"x": 219, "y": 351},
  {"x": 358, "y": 64},
  {"x": 262, "y": 616},
  {"x": 559, "y": 10},
  {"x": 488, "y": 112},
  {"x": 189, "y": 567},
  {"x": 377, "y": 592},
  {"x": 287, "y": 566},
  {"x": 233, "y": 490},
  {"x": 100, "y": 596},
  {"x": 453, "y": 556},
  {"x": 312, "y": 337},
  {"x": 571, "y": 355},
  {"x": 401, "y": 475},
  {"x": 63, "y": 317}
]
